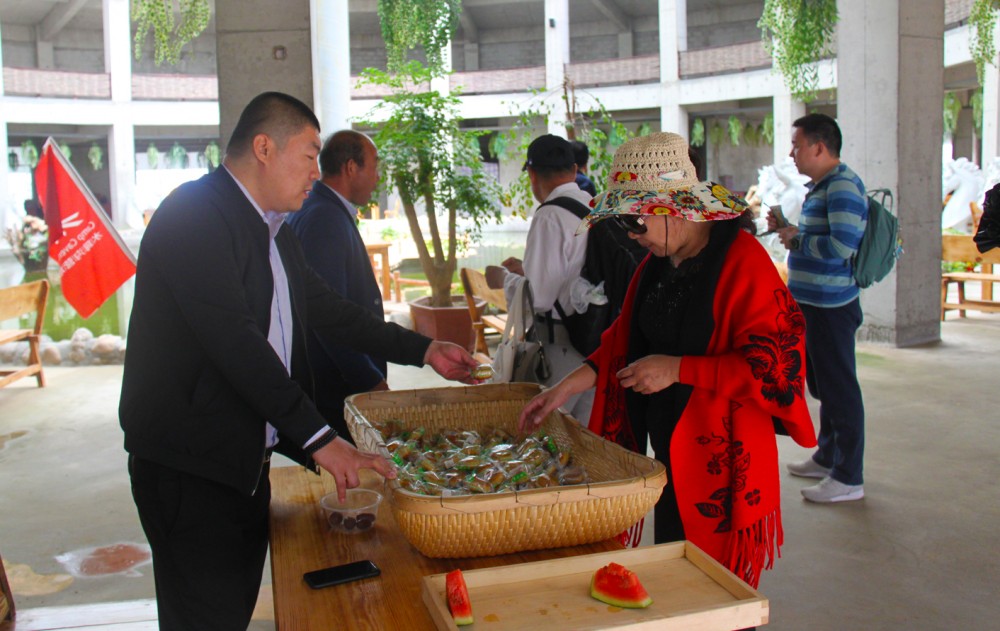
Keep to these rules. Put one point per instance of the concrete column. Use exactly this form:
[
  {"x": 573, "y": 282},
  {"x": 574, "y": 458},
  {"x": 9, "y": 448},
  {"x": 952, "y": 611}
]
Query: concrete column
[
  {"x": 471, "y": 50},
  {"x": 7, "y": 208},
  {"x": 673, "y": 40},
  {"x": 786, "y": 110},
  {"x": 991, "y": 107},
  {"x": 44, "y": 51},
  {"x": 626, "y": 44},
  {"x": 259, "y": 49},
  {"x": 556, "y": 58},
  {"x": 890, "y": 72},
  {"x": 121, "y": 140},
  {"x": 331, "y": 48}
]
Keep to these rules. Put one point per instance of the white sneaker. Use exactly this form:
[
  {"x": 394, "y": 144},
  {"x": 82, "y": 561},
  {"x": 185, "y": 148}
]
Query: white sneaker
[
  {"x": 829, "y": 490},
  {"x": 808, "y": 468}
]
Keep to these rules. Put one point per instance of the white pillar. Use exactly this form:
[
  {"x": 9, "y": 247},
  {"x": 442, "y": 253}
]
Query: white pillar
[
  {"x": 673, "y": 40},
  {"x": 991, "y": 107},
  {"x": 442, "y": 84},
  {"x": 331, "y": 52},
  {"x": 556, "y": 57},
  {"x": 121, "y": 140},
  {"x": 889, "y": 52},
  {"x": 786, "y": 110}
]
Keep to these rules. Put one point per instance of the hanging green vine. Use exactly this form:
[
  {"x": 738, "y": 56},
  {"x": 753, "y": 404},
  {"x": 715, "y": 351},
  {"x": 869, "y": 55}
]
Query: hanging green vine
[
  {"x": 952, "y": 108},
  {"x": 797, "y": 34},
  {"x": 169, "y": 34},
  {"x": 751, "y": 134},
  {"x": 976, "y": 103},
  {"x": 698, "y": 133},
  {"x": 152, "y": 156},
  {"x": 66, "y": 151},
  {"x": 716, "y": 134},
  {"x": 213, "y": 155},
  {"x": 735, "y": 130},
  {"x": 982, "y": 18},
  {"x": 177, "y": 157},
  {"x": 767, "y": 129},
  {"x": 29, "y": 153},
  {"x": 407, "y": 24},
  {"x": 95, "y": 155}
]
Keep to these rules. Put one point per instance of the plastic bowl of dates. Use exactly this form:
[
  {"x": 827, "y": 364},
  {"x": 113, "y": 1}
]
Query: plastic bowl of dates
[{"x": 355, "y": 514}]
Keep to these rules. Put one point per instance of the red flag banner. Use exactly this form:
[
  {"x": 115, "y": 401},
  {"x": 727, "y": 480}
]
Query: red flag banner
[{"x": 93, "y": 260}]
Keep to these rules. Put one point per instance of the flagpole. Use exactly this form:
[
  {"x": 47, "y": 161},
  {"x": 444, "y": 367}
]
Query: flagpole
[{"x": 96, "y": 205}]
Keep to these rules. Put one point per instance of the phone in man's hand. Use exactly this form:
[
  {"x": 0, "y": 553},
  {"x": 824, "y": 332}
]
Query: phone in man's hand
[
  {"x": 779, "y": 217},
  {"x": 341, "y": 574}
]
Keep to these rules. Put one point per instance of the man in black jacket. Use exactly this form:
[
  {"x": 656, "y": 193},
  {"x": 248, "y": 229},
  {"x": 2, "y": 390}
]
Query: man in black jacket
[{"x": 217, "y": 373}]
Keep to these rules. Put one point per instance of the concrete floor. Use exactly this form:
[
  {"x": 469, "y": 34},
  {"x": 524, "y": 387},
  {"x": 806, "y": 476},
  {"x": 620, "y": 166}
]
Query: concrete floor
[{"x": 919, "y": 552}]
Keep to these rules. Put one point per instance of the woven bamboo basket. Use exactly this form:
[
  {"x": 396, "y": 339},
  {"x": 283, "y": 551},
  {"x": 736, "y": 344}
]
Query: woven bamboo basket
[{"x": 623, "y": 485}]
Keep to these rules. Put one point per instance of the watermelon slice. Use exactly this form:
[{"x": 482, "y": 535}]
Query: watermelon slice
[
  {"x": 458, "y": 598},
  {"x": 616, "y": 585}
]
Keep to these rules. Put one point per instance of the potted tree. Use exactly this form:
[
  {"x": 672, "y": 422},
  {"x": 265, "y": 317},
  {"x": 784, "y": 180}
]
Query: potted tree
[{"x": 435, "y": 167}]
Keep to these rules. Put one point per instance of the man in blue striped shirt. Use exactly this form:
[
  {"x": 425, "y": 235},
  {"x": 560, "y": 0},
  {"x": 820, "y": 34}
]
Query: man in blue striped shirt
[{"x": 832, "y": 222}]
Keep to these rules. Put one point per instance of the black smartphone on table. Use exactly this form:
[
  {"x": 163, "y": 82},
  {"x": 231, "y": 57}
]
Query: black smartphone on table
[{"x": 341, "y": 574}]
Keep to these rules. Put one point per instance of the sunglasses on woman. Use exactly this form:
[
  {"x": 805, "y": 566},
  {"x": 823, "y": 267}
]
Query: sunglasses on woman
[{"x": 631, "y": 223}]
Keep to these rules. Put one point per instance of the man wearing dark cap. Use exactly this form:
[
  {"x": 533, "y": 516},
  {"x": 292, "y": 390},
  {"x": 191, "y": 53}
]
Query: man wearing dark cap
[{"x": 553, "y": 256}]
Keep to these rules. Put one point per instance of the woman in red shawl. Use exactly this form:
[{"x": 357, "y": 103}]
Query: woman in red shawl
[{"x": 706, "y": 360}]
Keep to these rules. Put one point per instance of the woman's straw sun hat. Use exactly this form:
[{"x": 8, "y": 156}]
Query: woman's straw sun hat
[{"x": 653, "y": 175}]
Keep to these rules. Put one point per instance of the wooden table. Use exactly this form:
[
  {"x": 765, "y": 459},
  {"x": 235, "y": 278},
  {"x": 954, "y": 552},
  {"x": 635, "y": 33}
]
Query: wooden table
[
  {"x": 380, "y": 250},
  {"x": 301, "y": 541}
]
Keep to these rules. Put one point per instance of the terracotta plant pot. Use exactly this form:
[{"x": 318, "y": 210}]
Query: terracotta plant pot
[{"x": 448, "y": 324}]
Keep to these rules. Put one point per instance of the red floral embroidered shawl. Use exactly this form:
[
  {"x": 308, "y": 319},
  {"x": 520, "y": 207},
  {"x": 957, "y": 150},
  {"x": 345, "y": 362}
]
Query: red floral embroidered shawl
[{"x": 723, "y": 451}]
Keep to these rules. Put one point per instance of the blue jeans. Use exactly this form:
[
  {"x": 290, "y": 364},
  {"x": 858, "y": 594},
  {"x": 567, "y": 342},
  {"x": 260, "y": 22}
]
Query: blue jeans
[{"x": 832, "y": 377}]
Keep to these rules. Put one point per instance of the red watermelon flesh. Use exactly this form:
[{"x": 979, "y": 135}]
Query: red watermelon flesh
[
  {"x": 458, "y": 598},
  {"x": 619, "y": 586}
]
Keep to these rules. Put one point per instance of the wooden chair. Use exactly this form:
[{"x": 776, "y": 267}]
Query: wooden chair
[
  {"x": 6, "y": 601},
  {"x": 14, "y": 303},
  {"x": 477, "y": 292},
  {"x": 961, "y": 248}
]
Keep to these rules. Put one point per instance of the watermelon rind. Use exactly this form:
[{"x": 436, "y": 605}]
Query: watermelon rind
[{"x": 641, "y": 600}]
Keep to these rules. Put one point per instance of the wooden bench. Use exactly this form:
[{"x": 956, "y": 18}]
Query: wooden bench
[
  {"x": 478, "y": 291},
  {"x": 16, "y": 302},
  {"x": 961, "y": 248}
]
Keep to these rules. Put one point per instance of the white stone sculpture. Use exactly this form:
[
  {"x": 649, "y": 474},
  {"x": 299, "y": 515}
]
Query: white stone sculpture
[
  {"x": 964, "y": 180},
  {"x": 780, "y": 184}
]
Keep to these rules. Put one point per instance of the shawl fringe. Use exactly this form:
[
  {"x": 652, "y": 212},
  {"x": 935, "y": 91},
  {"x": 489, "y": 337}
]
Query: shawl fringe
[{"x": 754, "y": 548}]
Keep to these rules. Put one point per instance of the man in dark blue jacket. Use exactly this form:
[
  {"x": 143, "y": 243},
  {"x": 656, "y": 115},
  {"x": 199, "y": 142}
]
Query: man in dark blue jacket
[{"x": 327, "y": 228}]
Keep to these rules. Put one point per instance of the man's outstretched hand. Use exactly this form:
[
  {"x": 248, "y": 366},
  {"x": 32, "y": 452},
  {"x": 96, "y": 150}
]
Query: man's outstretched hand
[
  {"x": 451, "y": 361},
  {"x": 343, "y": 461}
]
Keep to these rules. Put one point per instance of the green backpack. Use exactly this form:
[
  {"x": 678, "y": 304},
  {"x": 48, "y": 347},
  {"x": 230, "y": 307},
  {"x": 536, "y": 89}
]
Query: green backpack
[{"x": 880, "y": 244}]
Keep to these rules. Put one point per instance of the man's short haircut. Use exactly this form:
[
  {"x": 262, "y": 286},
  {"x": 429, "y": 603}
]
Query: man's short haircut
[
  {"x": 580, "y": 152},
  {"x": 821, "y": 128},
  {"x": 280, "y": 116},
  {"x": 341, "y": 147}
]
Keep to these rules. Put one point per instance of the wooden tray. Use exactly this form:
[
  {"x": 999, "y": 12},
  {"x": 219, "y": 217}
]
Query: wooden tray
[{"x": 690, "y": 591}]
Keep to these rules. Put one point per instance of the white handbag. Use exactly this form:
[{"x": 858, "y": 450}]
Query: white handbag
[{"x": 519, "y": 356}]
